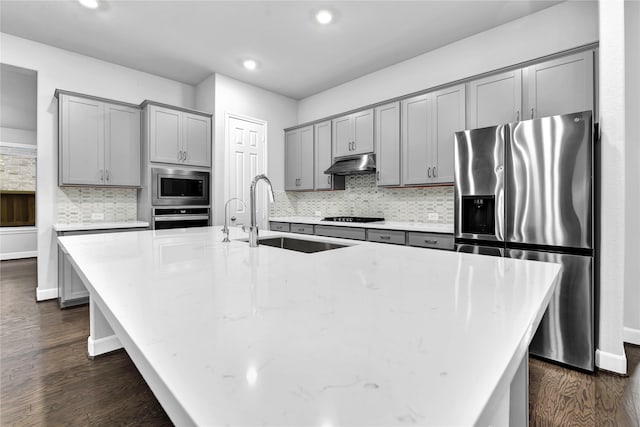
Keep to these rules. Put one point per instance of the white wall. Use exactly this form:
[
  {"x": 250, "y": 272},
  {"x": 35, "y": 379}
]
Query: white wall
[
  {"x": 551, "y": 30},
  {"x": 17, "y": 105},
  {"x": 632, "y": 273},
  {"x": 62, "y": 69},
  {"x": 233, "y": 96}
]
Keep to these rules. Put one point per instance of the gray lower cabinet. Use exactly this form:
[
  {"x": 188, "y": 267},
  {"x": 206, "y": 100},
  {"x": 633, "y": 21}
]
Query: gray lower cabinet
[
  {"x": 302, "y": 228},
  {"x": 341, "y": 232},
  {"x": 279, "y": 226},
  {"x": 71, "y": 290},
  {"x": 430, "y": 240},
  {"x": 386, "y": 236}
]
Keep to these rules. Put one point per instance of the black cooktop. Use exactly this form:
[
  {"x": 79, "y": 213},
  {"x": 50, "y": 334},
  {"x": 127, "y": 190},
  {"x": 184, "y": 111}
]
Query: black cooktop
[{"x": 352, "y": 219}]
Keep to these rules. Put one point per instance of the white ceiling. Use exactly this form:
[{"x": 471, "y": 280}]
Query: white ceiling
[{"x": 189, "y": 40}]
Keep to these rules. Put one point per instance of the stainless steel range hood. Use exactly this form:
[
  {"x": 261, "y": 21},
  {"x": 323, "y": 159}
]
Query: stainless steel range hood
[{"x": 365, "y": 163}]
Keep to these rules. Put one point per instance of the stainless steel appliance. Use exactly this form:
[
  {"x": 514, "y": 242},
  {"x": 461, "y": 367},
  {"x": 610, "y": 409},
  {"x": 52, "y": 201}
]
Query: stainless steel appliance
[
  {"x": 164, "y": 218},
  {"x": 178, "y": 187},
  {"x": 525, "y": 190}
]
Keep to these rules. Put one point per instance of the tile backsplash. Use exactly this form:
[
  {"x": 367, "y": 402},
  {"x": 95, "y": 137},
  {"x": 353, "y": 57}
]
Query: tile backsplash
[
  {"x": 362, "y": 197},
  {"x": 17, "y": 172},
  {"x": 77, "y": 204}
]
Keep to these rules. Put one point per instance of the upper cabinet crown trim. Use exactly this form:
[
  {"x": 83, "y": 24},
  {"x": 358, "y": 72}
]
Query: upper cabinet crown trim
[
  {"x": 173, "y": 107},
  {"x": 59, "y": 92}
]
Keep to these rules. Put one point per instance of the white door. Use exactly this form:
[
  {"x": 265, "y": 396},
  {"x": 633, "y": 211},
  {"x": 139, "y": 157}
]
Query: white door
[{"x": 246, "y": 145}]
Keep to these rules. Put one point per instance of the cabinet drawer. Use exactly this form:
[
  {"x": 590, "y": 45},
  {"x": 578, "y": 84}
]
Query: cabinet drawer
[
  {"x": 386, "y": 236},
  {"x": 279, "y": 226},
  {"x": 430, "y": 240},
  {"x": 302, "y": 228},
  {"x": 341, "y": 232}
]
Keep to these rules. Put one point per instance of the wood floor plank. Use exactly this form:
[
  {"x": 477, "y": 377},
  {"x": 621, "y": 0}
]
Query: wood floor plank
[{"x": 46, "y": 378}]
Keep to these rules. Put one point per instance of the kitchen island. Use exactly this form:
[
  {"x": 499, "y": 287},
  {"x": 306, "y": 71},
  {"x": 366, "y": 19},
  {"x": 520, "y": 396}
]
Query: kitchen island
[{"x": 367, "y": 334}]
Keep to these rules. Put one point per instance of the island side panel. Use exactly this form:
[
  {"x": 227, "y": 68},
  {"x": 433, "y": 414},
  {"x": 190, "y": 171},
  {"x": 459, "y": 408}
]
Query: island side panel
[{"x": 101, "y": 339}]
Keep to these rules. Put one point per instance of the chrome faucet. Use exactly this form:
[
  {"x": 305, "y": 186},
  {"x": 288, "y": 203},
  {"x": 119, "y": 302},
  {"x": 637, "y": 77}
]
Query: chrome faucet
[
  {"x": 225, "y": 229},
  {"x": 253, "y": 228}
]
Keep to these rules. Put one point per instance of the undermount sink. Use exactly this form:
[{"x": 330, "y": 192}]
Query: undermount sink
[{"x": 299, "y": 245}]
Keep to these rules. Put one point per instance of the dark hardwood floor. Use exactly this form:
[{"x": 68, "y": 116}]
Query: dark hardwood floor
[{"x": 47, "y": 379}]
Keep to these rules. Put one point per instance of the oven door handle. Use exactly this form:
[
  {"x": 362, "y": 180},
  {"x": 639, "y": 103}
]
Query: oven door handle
[{"x": 180, "y": 218}]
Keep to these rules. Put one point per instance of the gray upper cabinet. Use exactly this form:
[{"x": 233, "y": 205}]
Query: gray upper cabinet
[
  {"x": 322, "y": 137},
  {"x": 353, "y": 134},
  {"x": 448, "y": 117},
  {"x": 416, "y": 137},
  {"x": 495, "y": 100},
  {"x": 122, "y": 156},
  {"x": 178, "y": 137},
  {"x": 428, "y": 124},
  {"x": 387, "y": 137},
  {"x": 99, "y": 142},
  {"x": 299, "y": 159},
  {"x": 560, "y": 86}
]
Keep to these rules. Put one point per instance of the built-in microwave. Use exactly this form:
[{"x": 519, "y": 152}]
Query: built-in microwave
[{"x": 179, "y": 187}]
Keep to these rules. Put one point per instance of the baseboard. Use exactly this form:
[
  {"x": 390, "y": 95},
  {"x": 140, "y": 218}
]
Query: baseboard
[
  {"x": 45, "y": 294},
  {"x": 18, "y": 255},
  {"x": 102, "y": 345},
  {"x": 611, "y": 362},
  {"x": 632, "y": 336}
]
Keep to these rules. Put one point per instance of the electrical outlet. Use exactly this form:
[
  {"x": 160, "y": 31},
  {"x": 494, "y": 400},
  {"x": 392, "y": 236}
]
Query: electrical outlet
[
  {"x": 318, "y": 213},
  {"x": 432, "y": 216},
  {"x": 97, "y": 216}
]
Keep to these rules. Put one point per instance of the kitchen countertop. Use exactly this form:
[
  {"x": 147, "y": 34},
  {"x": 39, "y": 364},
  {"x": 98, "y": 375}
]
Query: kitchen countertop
[
  {"x": 383, "y": 225},
  {"x": 99, "y": 225},
  {"x": 369, "y": 334}
]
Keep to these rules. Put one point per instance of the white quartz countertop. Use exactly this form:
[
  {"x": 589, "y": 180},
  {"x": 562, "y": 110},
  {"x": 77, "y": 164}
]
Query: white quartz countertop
[
  {"x": 100, "y": 225},
  {"x": 383, "y": 225},
  {"x": 369, "y": 334}
]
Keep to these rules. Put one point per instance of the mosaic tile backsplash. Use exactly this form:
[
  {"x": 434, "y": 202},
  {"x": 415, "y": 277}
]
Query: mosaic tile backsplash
[
  {"x": 17, "y": 172},
  {"x": 362, "y": 197},
  {"x": 76, "y": 204}
]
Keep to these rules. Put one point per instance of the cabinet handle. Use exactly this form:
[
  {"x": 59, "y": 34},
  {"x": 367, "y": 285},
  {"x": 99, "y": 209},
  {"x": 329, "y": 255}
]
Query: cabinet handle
[
  {"x": 108, "y": 174},
  {"x": 434, "y": 172},
  {"x": 101, "y": 175},
  {"x": 354, "y": 146},
  {"x": 431, "y": 242},
  {"x": 518, "y": 116},
  {"x": 186, "y": 155},
  {"x": 385, "y": 237},
  {"x": 429, "y": 171},
  {"x": 378, "y": 175},
  {"x": 532, "y": 113},
  {"x": 329, "y": 179},
  {"x": 300, "y": 230}
]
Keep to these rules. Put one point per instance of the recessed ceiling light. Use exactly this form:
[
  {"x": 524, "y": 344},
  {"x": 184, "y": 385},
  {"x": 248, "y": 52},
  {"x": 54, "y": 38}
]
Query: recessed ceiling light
[
  {"x": 91, "y": 4},
  {"x": 250, "y": 64},
  {"x": 324, "y": 17}
]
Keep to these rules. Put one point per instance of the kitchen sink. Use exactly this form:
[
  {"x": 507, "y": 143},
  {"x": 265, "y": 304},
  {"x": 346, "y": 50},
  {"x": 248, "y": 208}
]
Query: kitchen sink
[{"x": 299, "y": 245}]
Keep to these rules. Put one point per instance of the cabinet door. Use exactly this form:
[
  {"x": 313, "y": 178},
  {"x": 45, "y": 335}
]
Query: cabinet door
[
  {"x": 322, "y": 140},
  {"x": 387, "y": 136},
  {"x": 416, "y": 118},
  {"x": 122, "y": 148},
  {"x": 165, "y": 133},
  {"x": 305, "y": 161},
  {"x": 81, "y": 156},
  {"x": 362, "y": 132},
  {"x": 495, "y": 100},
  {"x": 196, "y": 139},
  {"x": 448, "y": 118},
  {"x": 560, "y": 86},
  {"x": 291, "y": 159},
  {"x": 342, "y": 136}
]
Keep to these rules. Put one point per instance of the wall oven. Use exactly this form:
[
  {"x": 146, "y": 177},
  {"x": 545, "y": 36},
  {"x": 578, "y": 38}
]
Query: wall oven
[
  {"x": 165, "y": 218},
  {"x": 177, "y": 187}
]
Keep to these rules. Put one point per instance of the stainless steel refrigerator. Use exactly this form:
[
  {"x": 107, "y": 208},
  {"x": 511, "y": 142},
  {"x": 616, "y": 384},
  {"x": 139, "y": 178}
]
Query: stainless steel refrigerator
[{"x": 525, "y": 190}]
